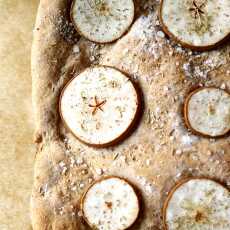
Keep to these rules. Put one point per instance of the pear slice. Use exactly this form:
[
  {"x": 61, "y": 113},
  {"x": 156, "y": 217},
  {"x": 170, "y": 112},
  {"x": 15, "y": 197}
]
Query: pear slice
[
  {"x": 102, "y": 21},
  {"x": 110, "y": 203},
  {"x": 100, "y": 106},
  {"x": 197, "y": 204},
  {"x": 196, "y": 24},
  {"x": 207, "y": 112}
]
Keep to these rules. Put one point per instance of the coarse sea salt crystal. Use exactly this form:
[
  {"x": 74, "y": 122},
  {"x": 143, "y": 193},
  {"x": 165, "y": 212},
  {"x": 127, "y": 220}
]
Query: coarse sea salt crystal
[
  {"x": 186, "y": 140},
  {"x": 64, "y": 170},
  {"x": 74, "y": 188},
  {"x": 223, "y": 86},
  {"x": 81, "y": 185},
  {"x": 160, "y": 34},
  {"x": 147, "y": 162},
  {"x": 99, "y": 171},
  {"x": 79, "y": 161},
  {"x": 61, "y": 164},
  {"x": 72, "y": 161},
  {"x": 178, "y": 175},
  {"x": 80, "y": 214},
  {"x": 76, "y": 49},
  {"x": 166, "y": 88},
  {"x": 178, "y": 152}
]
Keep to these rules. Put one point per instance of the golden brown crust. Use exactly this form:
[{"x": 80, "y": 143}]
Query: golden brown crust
[
  {"x": 186, "y": 45},
  {"x": 125, "y": 133},
  {"x": 187, "y": 122},
  {"x": 82, "y": 34},
  {"x": 176, "y": 186},
  {"x": 105, "y": 178}
]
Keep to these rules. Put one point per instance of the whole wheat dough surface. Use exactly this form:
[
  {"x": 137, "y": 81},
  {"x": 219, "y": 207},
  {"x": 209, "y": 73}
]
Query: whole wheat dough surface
[{"x": 157, "y": 154}]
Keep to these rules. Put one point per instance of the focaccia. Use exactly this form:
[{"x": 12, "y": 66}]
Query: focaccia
[{"x": 160, "y": 150}]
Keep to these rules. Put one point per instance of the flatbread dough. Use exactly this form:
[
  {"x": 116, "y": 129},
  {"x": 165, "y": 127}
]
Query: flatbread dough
[{"x": 160, "y": 151}]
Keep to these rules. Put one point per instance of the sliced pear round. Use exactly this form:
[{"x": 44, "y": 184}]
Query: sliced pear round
[
  {"x": 100, "y": 106},
  {"x": 197, "y": 203},
  {"x": 102, "y": 21},
  {"x": 110, "y": 203},
  {"x": 207, "y": 112},
  {"x": 196, "y": 24}
]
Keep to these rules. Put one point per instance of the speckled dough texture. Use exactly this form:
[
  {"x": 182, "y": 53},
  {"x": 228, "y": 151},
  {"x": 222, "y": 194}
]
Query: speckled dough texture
[{"x": 160, "y": 151}]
